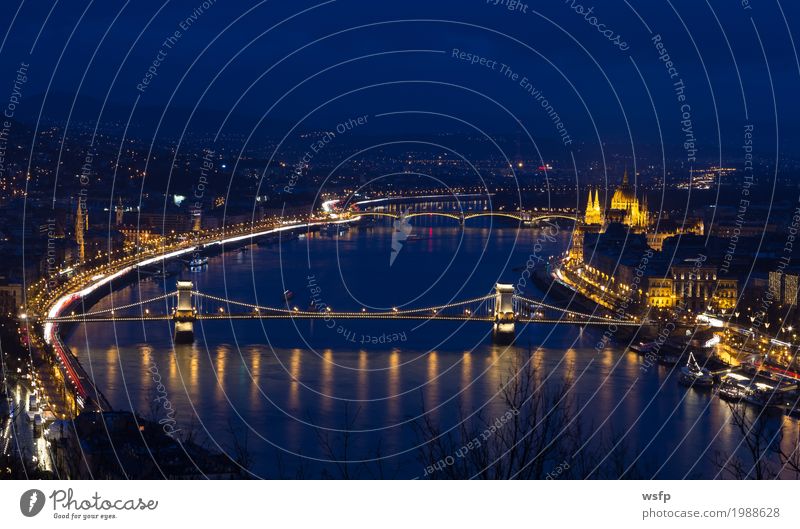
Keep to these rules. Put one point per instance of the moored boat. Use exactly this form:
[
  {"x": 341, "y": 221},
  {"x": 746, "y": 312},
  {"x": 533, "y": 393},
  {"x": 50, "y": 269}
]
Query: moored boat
[
  {"x": 162, "y": 274},
  {"x": 197, "y": 262},
  {"x": 335, "y": 229},
  {"x": 695, "y": 376},
  {"x": 642, "y": 348},
  {"x": 730, "y": 391}
]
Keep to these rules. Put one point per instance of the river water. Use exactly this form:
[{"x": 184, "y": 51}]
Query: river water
[{"x": 303, "y": 393}]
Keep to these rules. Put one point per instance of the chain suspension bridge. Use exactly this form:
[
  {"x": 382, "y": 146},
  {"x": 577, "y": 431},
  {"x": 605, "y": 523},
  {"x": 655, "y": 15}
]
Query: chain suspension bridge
[{"x": 502, "y": 308}]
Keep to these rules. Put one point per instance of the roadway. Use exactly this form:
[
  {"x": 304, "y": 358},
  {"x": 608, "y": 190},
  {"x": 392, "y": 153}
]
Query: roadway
[
  {"x": 53, "y": 304},
  {"x": 17, "y": 439}
]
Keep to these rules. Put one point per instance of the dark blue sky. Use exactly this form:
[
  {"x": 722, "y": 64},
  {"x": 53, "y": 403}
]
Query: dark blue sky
[{"x": 245, "y": 56}]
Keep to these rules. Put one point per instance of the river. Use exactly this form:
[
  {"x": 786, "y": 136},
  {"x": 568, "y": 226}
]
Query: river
[{"x": 302, "y": 393}]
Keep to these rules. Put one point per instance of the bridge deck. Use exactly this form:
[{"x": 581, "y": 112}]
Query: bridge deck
[
  {"x": 342, "y": 316},
  {"x": 476, "y": 309}
]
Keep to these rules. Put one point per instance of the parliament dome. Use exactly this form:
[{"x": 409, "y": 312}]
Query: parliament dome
[{"x": 624, "y": 196}]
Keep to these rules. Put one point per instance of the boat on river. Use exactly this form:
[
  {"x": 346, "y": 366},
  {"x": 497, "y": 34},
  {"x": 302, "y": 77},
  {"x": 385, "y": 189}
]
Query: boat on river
[
  {"x": 335, "y": 229},
  {"x": 162, "y": 274},
  {"x": 197, "y": 262},
  {"x": 692, "y": 375},
  {"x": 730, "y": 390},
  {"x": 642, "y": 348}
]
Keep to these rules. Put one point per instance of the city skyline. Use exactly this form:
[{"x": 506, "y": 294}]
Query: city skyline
[{"x": 341, "y": 241}]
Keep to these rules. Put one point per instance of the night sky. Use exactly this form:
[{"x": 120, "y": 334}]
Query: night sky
[{"x": 315, "y": 64}]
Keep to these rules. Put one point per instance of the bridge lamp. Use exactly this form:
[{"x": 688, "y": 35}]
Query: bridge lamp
[
  {"x": 296, "y": 309},
  {"x": 394, "y": 309},
  {"x": 221, "y": 310},
  {"x": 328, "y": 309},
  {"x": 363, "y": 309}
]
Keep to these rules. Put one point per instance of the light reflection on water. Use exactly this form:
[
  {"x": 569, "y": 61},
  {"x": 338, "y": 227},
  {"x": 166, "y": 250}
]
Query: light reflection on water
[{"x": 303, "y": 382}]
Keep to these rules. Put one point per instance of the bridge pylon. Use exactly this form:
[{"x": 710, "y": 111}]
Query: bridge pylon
[
  {"x": 505, "y": 318},
  {"x": 185, "y": 313}
]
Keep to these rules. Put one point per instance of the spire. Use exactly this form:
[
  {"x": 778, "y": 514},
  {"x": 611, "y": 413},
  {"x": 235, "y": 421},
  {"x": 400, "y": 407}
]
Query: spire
[
  {"x": 625, "y": 181},
  {"x": 120, "y": 211},
  {"x": 81, "y": 221},
  {"x": 592, "y": 215},
  {"x": 589, "y": 208}
]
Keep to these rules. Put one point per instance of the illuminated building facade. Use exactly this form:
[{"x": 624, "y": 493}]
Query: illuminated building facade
[
  {"x": 575, "y": 252},
  {"x": 81, "y": 223},
  {"x": 626, "y": 208},
  {"x": 593, "y": 215},
  {"x": 784, "y": 287},
  {"x": 659, "y": 293},
  {"x": 692, "y": 288}
]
